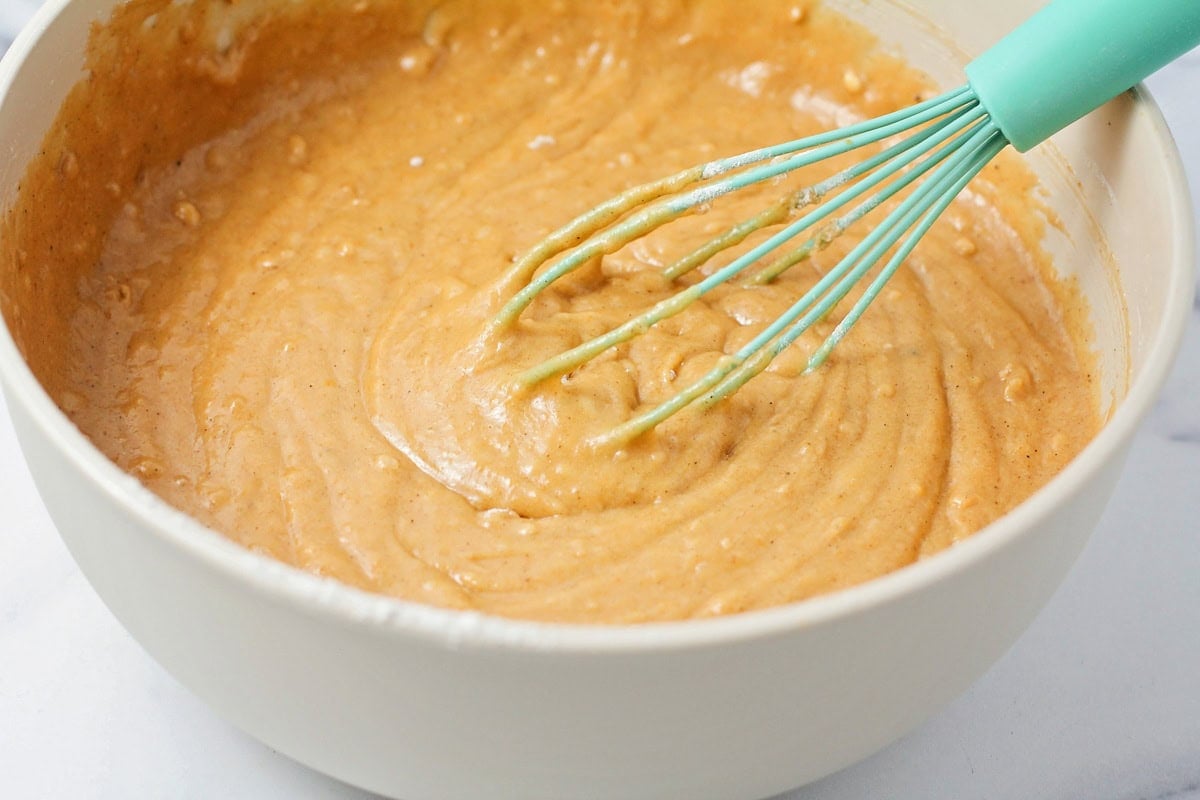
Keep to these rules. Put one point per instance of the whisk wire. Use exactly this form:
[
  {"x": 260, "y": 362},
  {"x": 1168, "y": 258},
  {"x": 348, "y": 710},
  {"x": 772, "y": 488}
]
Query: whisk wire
[
  {"x": 814, "y": 194},
  {"x": 591, "y": 236},
  {"x": 994, "y": 143},
  {"x": 921, "y": 208},
  {"x": 926, "y": 205},
  {"x": 894, "y": 122},
  {"x": 920, "y": 143}
]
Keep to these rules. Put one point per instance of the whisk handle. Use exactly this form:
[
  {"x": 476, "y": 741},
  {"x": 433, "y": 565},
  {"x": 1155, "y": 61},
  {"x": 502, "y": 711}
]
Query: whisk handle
[{"x": 1075, "y": 55}]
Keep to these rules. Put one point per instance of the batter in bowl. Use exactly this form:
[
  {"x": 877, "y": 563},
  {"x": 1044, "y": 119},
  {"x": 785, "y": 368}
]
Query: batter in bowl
[{"x": 278, "y": 287}]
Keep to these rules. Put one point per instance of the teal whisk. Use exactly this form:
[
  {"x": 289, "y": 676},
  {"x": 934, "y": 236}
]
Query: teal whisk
[{"x": 1062, "y": 63}]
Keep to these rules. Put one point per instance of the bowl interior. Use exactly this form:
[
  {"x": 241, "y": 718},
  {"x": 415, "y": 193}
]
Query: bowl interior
[
  {"x": 1095, "y": 182},
  {"x": 1112, "y": 184}
]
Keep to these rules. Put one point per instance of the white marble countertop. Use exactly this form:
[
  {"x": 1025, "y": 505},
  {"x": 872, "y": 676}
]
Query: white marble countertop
[{"x": 1100, "y": 699}]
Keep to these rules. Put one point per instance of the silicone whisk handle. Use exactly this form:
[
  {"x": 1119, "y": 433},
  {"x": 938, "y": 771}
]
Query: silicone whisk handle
[{"x": 1075, "y": 55}]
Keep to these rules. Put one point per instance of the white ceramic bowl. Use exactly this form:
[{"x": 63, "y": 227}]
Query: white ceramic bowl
[{"x": 421, "y": 703}]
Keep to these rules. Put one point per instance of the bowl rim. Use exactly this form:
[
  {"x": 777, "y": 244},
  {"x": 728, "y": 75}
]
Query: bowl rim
[{"x": 339, "y": 603}]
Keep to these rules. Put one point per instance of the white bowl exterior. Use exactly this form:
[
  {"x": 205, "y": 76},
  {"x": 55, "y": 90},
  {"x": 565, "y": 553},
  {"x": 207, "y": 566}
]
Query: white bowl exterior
[
  {"x": 422, "y": 703},
  {"x": 415, "y": 716}
]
